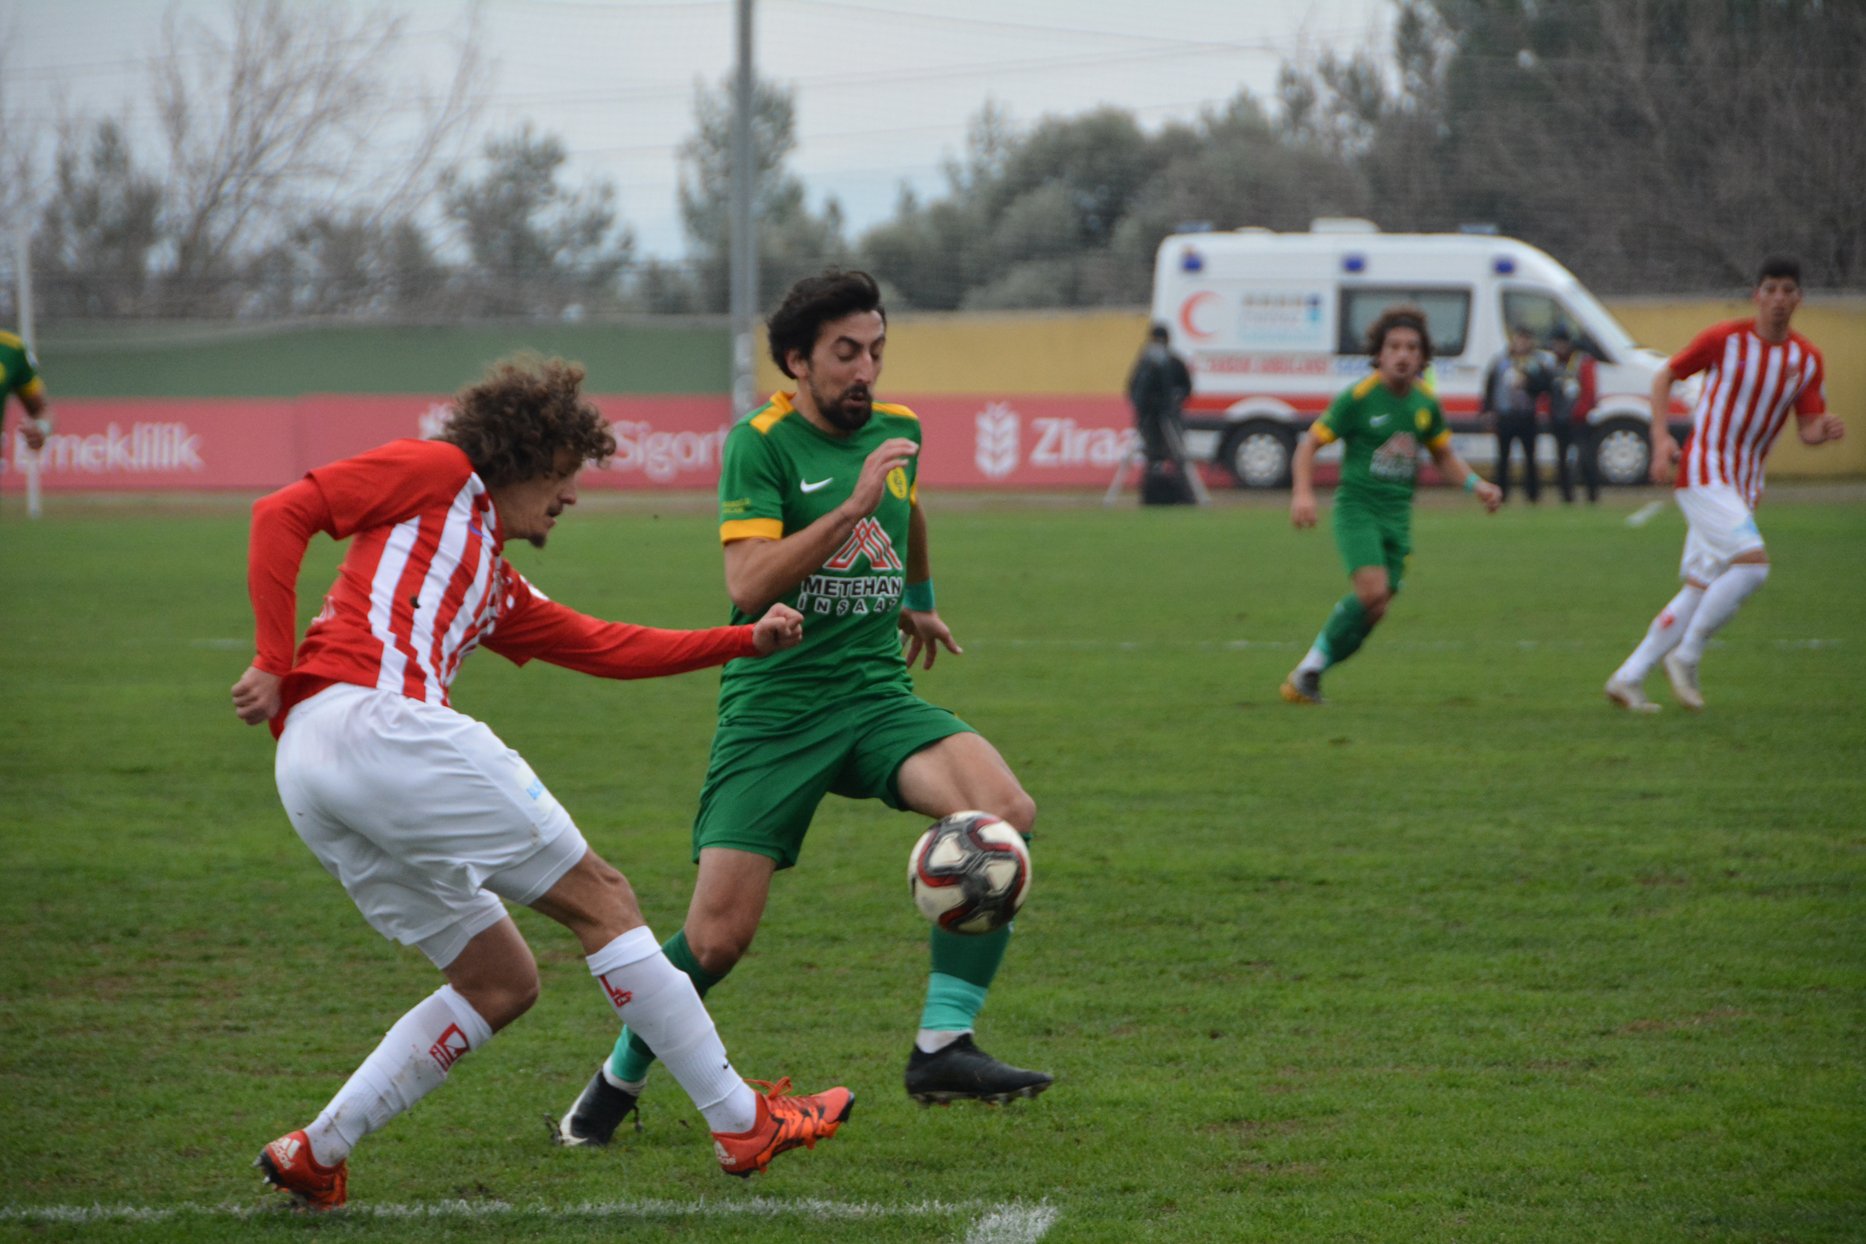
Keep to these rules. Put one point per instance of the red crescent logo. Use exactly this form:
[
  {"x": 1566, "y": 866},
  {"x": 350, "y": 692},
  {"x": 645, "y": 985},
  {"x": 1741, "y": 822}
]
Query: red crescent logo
[{"x": 1189, "y": 308}]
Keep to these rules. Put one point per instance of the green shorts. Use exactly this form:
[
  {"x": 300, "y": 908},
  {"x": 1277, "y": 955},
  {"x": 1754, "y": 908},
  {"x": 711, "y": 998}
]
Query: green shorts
[
  {"x": 1374, "y": 536},
  {"x": 766, "y": 778}
]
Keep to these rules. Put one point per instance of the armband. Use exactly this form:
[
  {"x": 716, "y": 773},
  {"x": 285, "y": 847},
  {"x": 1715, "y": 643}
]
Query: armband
[
  {"x": 1470, "y": 481},
  {"x": 918, "y": 596}
]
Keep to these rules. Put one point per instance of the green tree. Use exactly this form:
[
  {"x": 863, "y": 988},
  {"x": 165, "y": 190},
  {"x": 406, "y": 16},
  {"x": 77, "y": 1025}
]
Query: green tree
[
  {"x": 92, "y": 247},
  {"x": 792, "y": 241},
  {"x": 535, "y": 246}
]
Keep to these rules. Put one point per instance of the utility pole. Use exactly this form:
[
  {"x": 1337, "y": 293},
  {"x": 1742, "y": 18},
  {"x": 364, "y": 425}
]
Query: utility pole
[{"x": 742, "y": 258}]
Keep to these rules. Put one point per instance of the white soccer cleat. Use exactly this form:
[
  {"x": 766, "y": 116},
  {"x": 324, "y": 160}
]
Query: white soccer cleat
[
  {"x": 1629, "y": 696},
  {"x": 1684, "y": 679}
]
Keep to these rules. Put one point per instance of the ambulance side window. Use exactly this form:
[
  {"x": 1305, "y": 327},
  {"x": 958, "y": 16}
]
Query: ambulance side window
[
  {"x": 1542, "y": 314},
  {"x": 1447, "y": 315}
]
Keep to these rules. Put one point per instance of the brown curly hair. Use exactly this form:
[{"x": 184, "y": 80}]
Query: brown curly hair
[
  {"x": 513, "y": 422},
  {"x": 1399, "y": 315}
]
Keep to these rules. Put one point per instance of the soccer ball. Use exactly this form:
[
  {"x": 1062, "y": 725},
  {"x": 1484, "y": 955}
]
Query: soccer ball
[{"x": 969, "y": 873}]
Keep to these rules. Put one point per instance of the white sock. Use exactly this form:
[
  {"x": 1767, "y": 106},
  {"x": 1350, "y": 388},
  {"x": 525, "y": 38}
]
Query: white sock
[
  {"x": 1667, "y": 629},
  {"x": 932, "y": 1041},
  {"x": 1722, "y": 599},
  {"x": 411, "y": 1062},
  {"x": 656, "y": 999},
  {"x": 1315, "y": 662}
]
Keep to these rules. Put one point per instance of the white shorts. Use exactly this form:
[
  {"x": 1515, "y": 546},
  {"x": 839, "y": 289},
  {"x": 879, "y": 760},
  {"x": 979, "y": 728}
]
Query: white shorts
[
  {"x": 1721, "y": 529},
  {"x": 422, "y": 813}
]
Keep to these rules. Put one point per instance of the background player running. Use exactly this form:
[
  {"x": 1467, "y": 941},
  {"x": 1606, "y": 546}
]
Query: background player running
[
  {"x": 1380, "y": 422},
  {"x": 426, "y": 818},
  {"x": 1755, "y": 372},
  {"x": 819, "y": 508}
]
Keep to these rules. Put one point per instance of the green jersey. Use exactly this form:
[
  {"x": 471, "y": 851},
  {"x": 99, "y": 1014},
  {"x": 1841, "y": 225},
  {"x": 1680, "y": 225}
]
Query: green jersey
[
  {"x": 1381, "y": 433},
  {"x": 779, "y": 473},
  {"x": 19, "y": 371}
]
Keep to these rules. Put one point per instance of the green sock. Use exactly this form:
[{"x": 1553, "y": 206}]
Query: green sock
[
  {"x": 1347, "y": 627},
  {"x": 631, "y": 1057},
  {"x": 963, "y": 966}
]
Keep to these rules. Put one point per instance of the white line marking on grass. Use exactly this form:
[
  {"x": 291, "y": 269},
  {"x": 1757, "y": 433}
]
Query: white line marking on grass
[
  {"x": 1007, "y": 1223},
  {"x": 1021, "y": 1224},
  {"x": 1645, "y": 514}
]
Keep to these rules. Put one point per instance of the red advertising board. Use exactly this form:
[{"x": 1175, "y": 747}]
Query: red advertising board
[{"x": 137, "y": 445}]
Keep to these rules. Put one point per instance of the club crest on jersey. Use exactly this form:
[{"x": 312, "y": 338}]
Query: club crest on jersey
[{"x": 897, "y": 483}]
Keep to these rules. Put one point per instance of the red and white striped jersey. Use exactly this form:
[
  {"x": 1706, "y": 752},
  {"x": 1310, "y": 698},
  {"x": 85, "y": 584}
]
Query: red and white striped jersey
[
  {"x": 1750, "y": 385},
  {"x": 423, "y": 583}
]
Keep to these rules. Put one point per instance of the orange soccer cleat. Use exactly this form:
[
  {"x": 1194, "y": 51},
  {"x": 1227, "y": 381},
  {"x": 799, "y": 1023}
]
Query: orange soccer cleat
[
  {"x": 287, "y": 1165},
  {"x": 784, "y": 1122}
]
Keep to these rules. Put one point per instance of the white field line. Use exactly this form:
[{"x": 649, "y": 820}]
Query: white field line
[
  {"x": 1008, "y": 1223},
  {"x": 1016, "y": 1224},
  {"x": 1645, "y": 514},
  {"x": 1447, "y": 644}
]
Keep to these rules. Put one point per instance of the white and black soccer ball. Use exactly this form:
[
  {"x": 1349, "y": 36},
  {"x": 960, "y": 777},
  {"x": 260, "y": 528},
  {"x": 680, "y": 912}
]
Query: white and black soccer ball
[{"x": 969, "y": 873}]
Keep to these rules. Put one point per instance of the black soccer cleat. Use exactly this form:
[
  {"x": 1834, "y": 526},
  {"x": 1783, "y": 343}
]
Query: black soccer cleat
[
  {"x": 596, "y": 1113},
  {"x": 963, "y": 1072}
]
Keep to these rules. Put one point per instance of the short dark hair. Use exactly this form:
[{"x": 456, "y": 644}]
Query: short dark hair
[
  {"x": 1779, "y": 265},
  {"x": 1400, "y": 315},
  {"x": 512, "y": 424},
  {"x": 1159, "y": 332},
  {"x": 814, "y": 302}
]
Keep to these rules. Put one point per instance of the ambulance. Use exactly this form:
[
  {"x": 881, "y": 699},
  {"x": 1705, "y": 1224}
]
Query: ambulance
[{"x": 1272, "y": 326}]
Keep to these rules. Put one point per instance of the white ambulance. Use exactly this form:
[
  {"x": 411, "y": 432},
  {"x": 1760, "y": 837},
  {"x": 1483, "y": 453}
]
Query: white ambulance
[{"x": 1272, "y": 326}]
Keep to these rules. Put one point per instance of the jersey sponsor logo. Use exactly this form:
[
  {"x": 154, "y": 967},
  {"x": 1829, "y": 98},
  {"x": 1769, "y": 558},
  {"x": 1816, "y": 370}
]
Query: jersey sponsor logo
[
  {"x": 447, "y": 1051},
  {"x": 812, "y": 486},
  {"x": 1397, "y": 458},
  {"x": 870, "y": 540},
  {"x": 618, "y": 998}
]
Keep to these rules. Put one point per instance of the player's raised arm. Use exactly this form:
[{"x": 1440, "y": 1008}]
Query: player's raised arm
[{"x": 760, "y": 571}]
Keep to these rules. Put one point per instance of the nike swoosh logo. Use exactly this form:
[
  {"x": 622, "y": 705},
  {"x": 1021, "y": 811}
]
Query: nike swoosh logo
[
  {"x": 1377, "y": 420},
  {"x": 807, "y": 486}
]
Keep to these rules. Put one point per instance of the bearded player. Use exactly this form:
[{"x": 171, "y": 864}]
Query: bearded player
[
  {"x": 819, "y": 510},
  {"x": 1755, "y": 372}
]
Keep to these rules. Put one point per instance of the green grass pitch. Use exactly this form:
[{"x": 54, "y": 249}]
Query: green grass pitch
[{"x": 1464, "y": 955}]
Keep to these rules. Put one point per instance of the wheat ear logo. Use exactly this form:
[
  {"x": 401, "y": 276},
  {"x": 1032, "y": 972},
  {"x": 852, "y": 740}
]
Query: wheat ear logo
[{"x": 995, "y": 448}]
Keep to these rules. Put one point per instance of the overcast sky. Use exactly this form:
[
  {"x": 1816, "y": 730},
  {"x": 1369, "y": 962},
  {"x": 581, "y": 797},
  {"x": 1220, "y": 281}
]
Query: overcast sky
[{"x": 885, "y": 88}]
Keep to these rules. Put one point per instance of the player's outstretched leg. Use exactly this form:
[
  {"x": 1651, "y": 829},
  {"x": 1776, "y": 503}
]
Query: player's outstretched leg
[
  {"x": 783, "y": 1123},
  {"x": 946, "y": 1065},
  {"x": 614, "y": 1092},
  {"x": 1626, "y": 687},
  {"x": 411, "y": 1061}
]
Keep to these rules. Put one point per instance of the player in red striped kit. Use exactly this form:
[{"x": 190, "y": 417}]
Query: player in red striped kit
[
  {"x": 427, "y": 819},
  {"x": 1756, "y": 372}
]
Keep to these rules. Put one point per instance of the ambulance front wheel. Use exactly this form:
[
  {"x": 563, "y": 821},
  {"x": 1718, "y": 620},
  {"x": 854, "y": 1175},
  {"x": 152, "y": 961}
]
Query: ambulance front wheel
[
  {"x": 1622, "y": 452},
  {"x": 1258, "y": 454}
]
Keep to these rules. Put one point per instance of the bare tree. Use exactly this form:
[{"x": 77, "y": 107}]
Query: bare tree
[{"x": 298, "y": 114}]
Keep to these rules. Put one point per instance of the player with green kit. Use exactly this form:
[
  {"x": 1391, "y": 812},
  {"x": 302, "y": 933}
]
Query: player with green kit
[
  {"x": 819, "y": 507},
  {"x": 1381, "y": 422}
]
